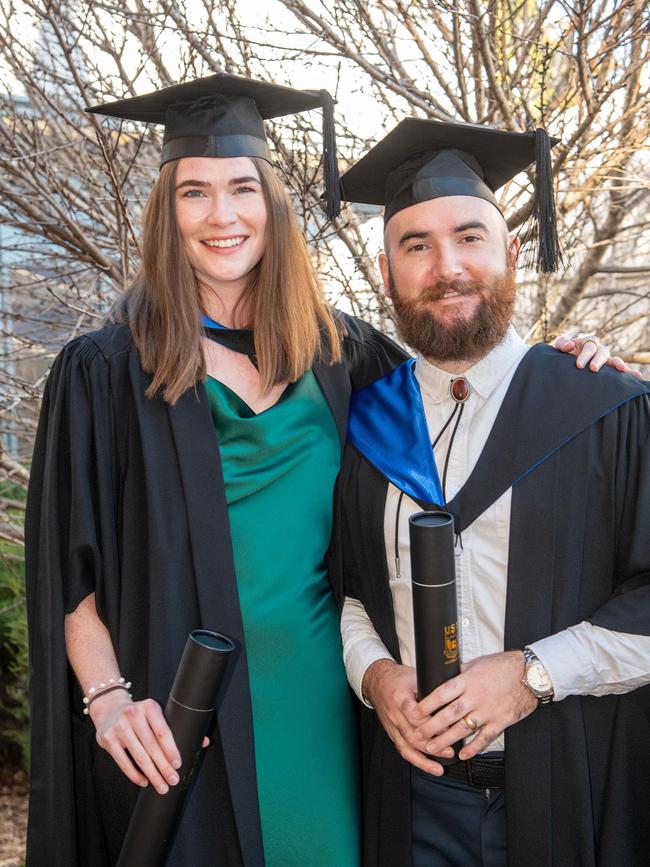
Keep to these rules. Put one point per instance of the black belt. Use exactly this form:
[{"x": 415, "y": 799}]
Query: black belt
[{"x": 484, "y": 773}]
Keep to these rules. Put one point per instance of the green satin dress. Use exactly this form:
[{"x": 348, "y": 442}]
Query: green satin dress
[{"x": 279, "y": 468}]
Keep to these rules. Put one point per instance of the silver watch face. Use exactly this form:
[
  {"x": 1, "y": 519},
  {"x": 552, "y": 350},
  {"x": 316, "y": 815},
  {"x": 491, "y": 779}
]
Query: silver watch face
[{"x": 537, "y": 678}]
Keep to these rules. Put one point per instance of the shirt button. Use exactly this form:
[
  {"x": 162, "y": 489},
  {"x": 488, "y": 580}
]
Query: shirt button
[{"x": 465, "y": 621}]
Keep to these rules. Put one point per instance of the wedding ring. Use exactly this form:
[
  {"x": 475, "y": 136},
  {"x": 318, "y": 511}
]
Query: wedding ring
[
  {"x": 470, "y": 723},
  {"x": 590, "y": 338}
]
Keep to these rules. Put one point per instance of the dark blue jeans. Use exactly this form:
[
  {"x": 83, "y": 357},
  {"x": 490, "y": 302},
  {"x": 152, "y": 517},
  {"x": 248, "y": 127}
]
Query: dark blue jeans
[{"x": 456, "y": 825}]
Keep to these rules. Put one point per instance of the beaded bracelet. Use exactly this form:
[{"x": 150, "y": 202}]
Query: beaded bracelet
[{"x": 103, "y": 688}]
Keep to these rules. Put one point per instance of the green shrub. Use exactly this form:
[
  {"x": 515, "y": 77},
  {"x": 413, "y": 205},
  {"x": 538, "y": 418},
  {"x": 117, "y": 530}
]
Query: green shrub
[{"x": 14, "y": 716}]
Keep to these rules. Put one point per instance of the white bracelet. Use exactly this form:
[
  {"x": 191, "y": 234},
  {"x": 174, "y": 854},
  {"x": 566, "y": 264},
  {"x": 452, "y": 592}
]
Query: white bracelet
[{"x": 111, "y": 684}]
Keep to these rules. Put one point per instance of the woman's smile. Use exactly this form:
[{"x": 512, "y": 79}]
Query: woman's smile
[{"x": 225, "y": 245}]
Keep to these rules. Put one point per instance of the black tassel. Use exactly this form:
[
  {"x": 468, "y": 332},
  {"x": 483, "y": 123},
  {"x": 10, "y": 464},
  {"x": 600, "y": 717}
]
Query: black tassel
[
  {"x": 543, "y": 230},
  {"x": 332, "y": 193}
]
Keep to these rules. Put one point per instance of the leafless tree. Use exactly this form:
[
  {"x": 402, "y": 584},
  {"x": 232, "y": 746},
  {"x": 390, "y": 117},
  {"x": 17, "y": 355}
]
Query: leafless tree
[{"x": 72, "y": 185}]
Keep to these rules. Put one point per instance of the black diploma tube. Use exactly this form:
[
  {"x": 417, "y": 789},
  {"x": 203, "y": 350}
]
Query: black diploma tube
[
  {"x": 189, "y": 711},
  {"x": 435, "y": 615}
]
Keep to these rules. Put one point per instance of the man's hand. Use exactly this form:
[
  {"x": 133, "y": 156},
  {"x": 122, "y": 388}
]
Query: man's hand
[
  {"x": 392, "y": 691},
  {"x": 489, "y": 691},
  {"x": 592, "y": 352}
]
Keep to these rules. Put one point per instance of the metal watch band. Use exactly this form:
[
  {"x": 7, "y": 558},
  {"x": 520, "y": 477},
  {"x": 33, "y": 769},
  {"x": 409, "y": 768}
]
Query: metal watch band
[{"x": 530, "y": 658}]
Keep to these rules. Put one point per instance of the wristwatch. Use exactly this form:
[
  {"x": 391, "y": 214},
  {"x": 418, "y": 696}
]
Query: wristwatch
[{"x": 536, "y": 678}]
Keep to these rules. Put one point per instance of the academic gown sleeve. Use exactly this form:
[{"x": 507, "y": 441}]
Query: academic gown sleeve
[
  {"x": 70, "y": 535},
  {"x": 628, "y": 608}
]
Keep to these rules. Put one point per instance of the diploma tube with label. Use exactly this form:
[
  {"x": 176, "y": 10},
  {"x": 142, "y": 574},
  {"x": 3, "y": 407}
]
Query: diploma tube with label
[
  {"x": 435, "y": 617},
  {"x": 189, "y": 711}
]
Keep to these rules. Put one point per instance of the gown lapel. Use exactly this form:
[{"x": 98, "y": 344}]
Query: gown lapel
[
  {"x": 371, "y": 481},
  {"x": 334, "y": 382},
  {"x": 529, "y": 616}
]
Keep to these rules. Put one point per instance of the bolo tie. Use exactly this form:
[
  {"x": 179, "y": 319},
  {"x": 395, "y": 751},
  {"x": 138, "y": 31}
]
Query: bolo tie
[
  {"x": 459, "y": 390},
  {"x": 238, "y": 339}
]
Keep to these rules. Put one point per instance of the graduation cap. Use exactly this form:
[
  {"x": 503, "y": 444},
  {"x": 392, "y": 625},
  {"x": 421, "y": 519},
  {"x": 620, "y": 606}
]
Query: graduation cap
[
  {"x": 222, "y": 115},
  {"x": 425, "y": 159}
]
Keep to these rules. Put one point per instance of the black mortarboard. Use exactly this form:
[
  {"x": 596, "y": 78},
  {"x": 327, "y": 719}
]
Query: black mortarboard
[
  {"x": 222, "y": 116},
  {"x": 425, "y": 159}
]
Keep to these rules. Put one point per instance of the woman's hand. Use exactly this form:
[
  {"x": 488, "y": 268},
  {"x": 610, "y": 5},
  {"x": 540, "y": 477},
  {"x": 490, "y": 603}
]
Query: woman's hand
[
  {"x": 138, "y": 738},
  {"x": 589, "y": 350}
]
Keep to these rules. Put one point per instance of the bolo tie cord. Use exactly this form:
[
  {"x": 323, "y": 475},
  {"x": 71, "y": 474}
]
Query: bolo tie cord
[{"x": 458, "y": 414}]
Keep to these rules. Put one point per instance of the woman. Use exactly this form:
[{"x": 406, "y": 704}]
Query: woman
[
  {"x": 183, "y": 478},
  {"x": 165, "y": 464}
]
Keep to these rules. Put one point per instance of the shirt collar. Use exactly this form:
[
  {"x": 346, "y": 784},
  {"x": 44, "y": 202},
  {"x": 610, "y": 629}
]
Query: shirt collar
[{"x": 483, "y": 377}]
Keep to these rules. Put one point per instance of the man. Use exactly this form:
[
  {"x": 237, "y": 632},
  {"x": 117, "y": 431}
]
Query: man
[{"x": 547, "y": 475}]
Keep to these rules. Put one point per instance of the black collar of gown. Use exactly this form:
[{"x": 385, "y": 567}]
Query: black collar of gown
[{"x": 238, "y": 339}]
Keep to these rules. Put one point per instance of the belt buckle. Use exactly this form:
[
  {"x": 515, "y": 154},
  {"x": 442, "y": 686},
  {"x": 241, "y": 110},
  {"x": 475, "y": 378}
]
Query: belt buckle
[{"x": 470, "y": 775}]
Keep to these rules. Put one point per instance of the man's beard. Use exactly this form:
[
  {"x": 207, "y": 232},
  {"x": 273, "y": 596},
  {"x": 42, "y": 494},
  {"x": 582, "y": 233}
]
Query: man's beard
[{"x": 458, "y": 338}]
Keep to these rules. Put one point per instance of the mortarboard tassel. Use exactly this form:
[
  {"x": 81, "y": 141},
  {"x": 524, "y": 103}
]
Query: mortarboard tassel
[
  {"x": 544, "y": 226},
  {"x": 332, "y": 181}
]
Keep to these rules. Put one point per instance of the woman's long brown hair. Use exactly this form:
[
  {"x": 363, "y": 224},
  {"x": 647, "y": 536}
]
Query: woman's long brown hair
[{"x": 294, "y": 327}]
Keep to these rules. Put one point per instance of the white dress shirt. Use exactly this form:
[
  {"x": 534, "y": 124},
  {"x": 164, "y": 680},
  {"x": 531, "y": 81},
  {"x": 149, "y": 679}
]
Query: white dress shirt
[{"x": 582, "y": 660}]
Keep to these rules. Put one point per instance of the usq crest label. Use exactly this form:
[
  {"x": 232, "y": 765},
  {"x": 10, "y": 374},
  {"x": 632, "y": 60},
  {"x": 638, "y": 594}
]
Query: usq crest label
[{"x": 450, "y": 651}]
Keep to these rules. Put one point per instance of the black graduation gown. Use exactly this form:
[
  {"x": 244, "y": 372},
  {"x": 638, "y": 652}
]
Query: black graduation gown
[
  {"x": 126, "y": 500},
  {"x": 575, "y": 450}
]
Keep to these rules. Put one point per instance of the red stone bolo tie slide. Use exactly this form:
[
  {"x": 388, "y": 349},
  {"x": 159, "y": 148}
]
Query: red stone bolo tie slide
[{"x": 459, "y": 389}]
